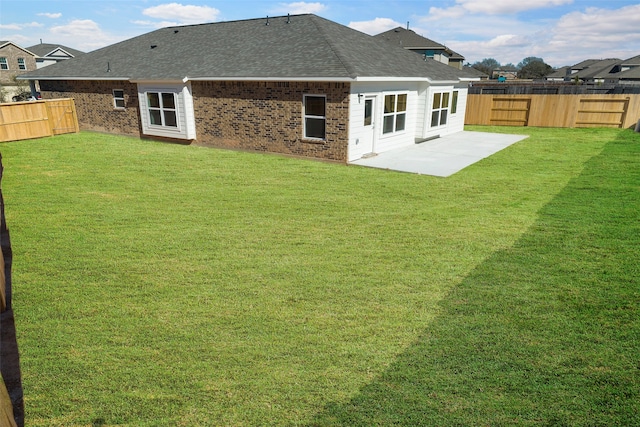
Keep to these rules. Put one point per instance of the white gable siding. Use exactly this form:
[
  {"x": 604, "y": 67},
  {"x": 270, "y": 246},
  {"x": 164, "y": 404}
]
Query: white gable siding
[{"x": 186, "y": 128}]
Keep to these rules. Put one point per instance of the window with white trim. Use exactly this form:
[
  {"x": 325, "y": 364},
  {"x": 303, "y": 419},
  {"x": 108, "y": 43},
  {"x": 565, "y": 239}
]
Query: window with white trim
[
  {"x": 118, "y": 98},
  {"x": 21, "y": 64},
  {"x": 394, "y": 117},
  {"x": 162, "y": 109},
  {"x": 315, "y": 119},
  {"x": 454, "y": 102},
  {"x": 440, "y": 109},
  {"x": 4, "y": 65}
]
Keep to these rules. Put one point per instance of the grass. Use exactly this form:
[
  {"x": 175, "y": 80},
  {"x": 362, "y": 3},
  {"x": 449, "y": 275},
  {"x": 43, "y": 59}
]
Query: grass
[{"x": 167, "y": 285}]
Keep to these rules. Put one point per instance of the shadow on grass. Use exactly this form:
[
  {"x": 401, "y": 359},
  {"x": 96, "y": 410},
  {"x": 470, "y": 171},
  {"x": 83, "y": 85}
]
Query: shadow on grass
[{"x": 544, "y": 333}]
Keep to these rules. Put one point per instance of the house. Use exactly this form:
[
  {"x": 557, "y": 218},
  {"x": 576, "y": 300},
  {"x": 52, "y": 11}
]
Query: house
[
  {"x": 504, "y": 75},
  {"x": 625, "y": 72},
  {"x": 588, "y": 71},
  {"x": 558, "y": 75},
  {"x": 47, "y": 54},
  {"x": 14, "y": 61},
  {"x": 428, "y": 48},
  {"x": 297, "y": 85}
]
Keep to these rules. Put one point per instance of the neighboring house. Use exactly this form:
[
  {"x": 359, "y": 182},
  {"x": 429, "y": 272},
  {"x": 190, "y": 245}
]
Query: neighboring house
[
  {"x": 558, "y": 75},
  {"x": 503, "y": 75},
  {"x": 473, "y": 71},
  {"x": 14, "y": 61},
  {"x": 428, "y": 48},
  {"x": 298, "y": 85},
  {"x": 588, "y": 71},
  {"x": 626, "y": 72},
  {"x": 48, "y": 54}
]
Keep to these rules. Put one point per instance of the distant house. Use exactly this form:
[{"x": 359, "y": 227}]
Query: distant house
[
  {"x": 626, "y": 72},
  {"x": 14, "y": 61},
  {"x": 298, "y": 85},
  {"x": 588, "y": 71},
  {"x": 408, "y": 39},
  {"x": 503, "y": 75},
  {"x": 48, "y": 54},
  {"x": 481, "y": 75}
]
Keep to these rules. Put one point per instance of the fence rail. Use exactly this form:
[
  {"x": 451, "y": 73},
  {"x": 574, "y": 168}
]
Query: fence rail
[
  {"x": 36, "y": 119},
  {"x": 620, "y": 111}
]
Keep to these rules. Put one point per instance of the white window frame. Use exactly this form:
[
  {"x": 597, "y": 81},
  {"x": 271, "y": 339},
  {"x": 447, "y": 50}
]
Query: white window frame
[
  {"x": 4, "y": 64},
  {"x": 117, "y": 100},
  {"x": 21, "y": 64},
  {"x": 441, "y": 96},
  {"x": 393, "y": 115},
  {"x": 306, "y": 116},
  {"x": 453, "y": 108},
  {"x": 162, "y": 110}
]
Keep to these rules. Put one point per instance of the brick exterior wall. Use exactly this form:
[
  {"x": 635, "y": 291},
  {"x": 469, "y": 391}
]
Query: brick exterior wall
[
  {"x": 94, "y": 104},
  {"x": 267, "y": 116},
  {"x": 12, "y": 53},
  {"x": 256, "y": 116}
]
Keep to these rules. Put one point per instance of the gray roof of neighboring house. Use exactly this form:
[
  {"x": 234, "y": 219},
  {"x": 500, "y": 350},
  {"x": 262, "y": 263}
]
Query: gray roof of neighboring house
[
  {"x": 296, "y": 47},
  {"x": 44, "y": 49},
  {"x": 592, "y": 68},
  {"x": 408, "y": 39},
  {"x": 475, "y": 72},
  {"x": 559, "y": 73}
]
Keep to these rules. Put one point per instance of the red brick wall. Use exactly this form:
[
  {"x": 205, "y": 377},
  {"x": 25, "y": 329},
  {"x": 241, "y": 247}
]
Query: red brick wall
[
  {"x": 267, "y": 116},
  {"x": 94, "y": 104},
  {"x": 258, "y": 116}
]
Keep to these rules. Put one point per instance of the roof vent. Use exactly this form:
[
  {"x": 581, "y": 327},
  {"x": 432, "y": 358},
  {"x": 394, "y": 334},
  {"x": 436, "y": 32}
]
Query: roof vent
[
  {"x": 153, "y": 46},
  {"x": 267, "y": 21},
  {"x": 176, "y": 31},
  {"x": 288, "y": 19}
]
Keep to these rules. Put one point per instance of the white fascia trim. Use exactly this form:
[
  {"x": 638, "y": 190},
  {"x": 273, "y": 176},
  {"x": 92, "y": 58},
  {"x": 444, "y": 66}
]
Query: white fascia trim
[
  {"x": 270, "y": 79},
  {"x": 469, "y": 79},
  {"x": 405, "y": 79},
  {"x": 74, "y": 78}
]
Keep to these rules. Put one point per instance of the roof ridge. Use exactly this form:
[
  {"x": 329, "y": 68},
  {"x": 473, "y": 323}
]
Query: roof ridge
[{"x": 350, "y": 69}]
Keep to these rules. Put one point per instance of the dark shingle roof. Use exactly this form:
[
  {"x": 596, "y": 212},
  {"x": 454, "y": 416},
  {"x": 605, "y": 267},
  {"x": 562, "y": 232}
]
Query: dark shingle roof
[
  {"x": 44, "y": 49},
  {"x": 408, "y": 39},
  {"x": 296, "y": 47}
]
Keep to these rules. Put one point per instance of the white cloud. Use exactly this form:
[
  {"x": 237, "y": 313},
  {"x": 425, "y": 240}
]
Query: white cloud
[
  {"x": 493, "y": 7},
  {"x": 184, "y": 14},
  {"x": 18, "y": 27},
  {"x": 82, "y": 34},
  {"x": 156, "y": 24},
  {"x": 298, "y": 8},
  {"x": 50, "y": 15},
  {"x": 376, "y": 26}
]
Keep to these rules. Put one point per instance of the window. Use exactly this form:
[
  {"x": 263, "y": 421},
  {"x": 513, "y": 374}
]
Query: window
[
  {"x": 118, "y": 98},
  {"x": 394, "y": 117},
  {"x": 162, "y": 109},
  {"x": 440, "y": 109},
  {"x": 454, "y": 102},
  {"x": 315, "y": 116},
  {"x": 3, "y": 64},
  {"x": 368, "y": 112},
  {"x": 21, "y": 64}
]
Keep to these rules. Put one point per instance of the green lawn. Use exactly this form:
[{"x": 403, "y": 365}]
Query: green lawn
[{"x": 170, "y": 285}]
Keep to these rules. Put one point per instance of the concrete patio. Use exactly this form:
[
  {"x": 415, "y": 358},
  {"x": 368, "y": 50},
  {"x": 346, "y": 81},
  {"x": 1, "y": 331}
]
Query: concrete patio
[{"x": 442, "y": 156}]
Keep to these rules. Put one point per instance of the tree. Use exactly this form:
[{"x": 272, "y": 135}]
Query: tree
[
  {"x": 529, "y": 59},
  {"x": 534, "y": 68},
  {"x": 487, "y": 65}
]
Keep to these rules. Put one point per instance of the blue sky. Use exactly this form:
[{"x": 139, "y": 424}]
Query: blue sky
[{"x": 562, "y": 32}]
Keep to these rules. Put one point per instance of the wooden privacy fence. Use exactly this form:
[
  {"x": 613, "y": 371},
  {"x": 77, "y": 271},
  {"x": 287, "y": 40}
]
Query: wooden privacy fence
[
  {"x": 36, "y": 119},
  {"x": 567, "y": 111}
]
